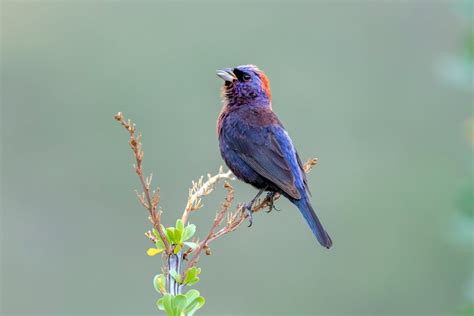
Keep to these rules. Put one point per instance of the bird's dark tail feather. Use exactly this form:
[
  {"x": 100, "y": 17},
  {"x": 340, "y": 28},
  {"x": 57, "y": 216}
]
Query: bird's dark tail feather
[{"x": 316, "y": 227}]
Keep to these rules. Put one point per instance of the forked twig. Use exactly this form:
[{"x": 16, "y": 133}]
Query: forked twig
[{"x": 150, "y": 202}]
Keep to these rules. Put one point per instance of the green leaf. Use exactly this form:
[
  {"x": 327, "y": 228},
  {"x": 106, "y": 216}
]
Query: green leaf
[
  {"x": 191, "y": 273},
  {"x": 192, "y": 276},
  {"x": 193, "y": 301},
  {"x": 191, "y": 245},
  {"x": 189, "y": 232},
  {"x": 177, "y": 248},
  {"x": 175, "y": 275},
  {"x": 191, "y": 295},
  {"x": 160, "y": 304},
  {"x": 194, "y": 305},
  {"x": 180, "y": 225},
  {"x": 179, "y": 304},
  {"x": 193, "y": 281},
  {"x": 159, "y": 244},
  {"x": 155, "y": 232},
  {"x": 166, "y": 302},
  {"x": 159, "y": 282},
  {"x": 178, "y": 233},
  {"x": 170, "y": 233},
  {"x": 177, "y": 236}
]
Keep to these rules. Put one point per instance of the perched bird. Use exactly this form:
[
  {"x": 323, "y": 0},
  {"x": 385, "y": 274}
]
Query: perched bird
[{"x": 257, "y": 148}]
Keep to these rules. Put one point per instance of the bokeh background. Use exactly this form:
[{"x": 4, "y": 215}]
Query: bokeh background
[{"x": 380, "y": 92}]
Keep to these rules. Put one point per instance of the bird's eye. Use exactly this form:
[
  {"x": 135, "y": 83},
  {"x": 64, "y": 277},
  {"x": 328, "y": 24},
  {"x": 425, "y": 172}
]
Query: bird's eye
[{"x": 246, "y": 77}]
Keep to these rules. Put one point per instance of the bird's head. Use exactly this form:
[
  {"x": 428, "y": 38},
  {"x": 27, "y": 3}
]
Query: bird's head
[{"x": 245, "y": 85}]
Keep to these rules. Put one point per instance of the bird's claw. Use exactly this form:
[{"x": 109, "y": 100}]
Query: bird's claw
[
  {"x": 271, "y": 204},
  {"x": 248, "y": 213}
]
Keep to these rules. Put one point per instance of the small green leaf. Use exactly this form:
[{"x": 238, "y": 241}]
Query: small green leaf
[
  {"x": 179, "y": 225},
  {"x": 193, "y": 281},
  {"x": 175, "y": 275},
  {"x": 189, "y": 231},
  {"x": 159, "y": 282},
  {"x": 170, "y": 233},
  {"x": 191, "y": 295},
  {"x": 178, "y": 236},
  {"x": 177, "y": 248},
  {"x": 194, "y": 305},
  {"x": 179, "y": 304},
  {"x": 191, "y": 245},
  {"x": 192, "y": 301},
  {"x": 160, "y": 304},
  {"x": 155, "y": 232},
  {"x": 159, "y": 244},
  {"x": 191, "y": 273},
  {"x": 192, "y": 276},
  {"x": 167, "y": 303}
]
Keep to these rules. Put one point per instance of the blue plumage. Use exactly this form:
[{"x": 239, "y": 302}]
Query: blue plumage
[{"x": 257, "y": 148}]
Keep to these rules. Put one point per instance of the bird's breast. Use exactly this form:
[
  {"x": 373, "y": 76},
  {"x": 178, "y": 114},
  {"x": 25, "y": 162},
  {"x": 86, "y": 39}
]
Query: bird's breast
[{"x": 231, "y": 127}]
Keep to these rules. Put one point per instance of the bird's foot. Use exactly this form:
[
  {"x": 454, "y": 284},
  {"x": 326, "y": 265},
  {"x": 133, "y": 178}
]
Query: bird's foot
[
  {"x": 249, "y": 212},
  {"x": 271, "y": 204}
]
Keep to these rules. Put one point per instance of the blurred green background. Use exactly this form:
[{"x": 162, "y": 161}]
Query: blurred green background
[{"x": 357, "y": 84}]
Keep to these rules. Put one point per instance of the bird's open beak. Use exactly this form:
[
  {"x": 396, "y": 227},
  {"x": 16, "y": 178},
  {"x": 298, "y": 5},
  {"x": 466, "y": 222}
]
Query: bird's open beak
[{"x": 226, "y": 74}]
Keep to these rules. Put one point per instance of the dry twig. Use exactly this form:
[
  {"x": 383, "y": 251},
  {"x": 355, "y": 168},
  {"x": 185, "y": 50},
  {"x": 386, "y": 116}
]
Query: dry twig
[
  {"x": 200, "y": 189},
  {"x": 150, "y": 202},
  {"x": 217, "y": 222},
  {"x": 235, "y": 219}
]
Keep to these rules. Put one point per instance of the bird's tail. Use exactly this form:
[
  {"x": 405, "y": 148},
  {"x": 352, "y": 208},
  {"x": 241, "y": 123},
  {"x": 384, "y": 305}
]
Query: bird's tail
[{"x": 316, "y": 227}]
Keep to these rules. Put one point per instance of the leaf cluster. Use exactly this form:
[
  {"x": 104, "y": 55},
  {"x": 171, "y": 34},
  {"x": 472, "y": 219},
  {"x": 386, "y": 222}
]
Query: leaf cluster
[
  {"x": 177, "y": 237},
  {"x": 181, "y": 304}
]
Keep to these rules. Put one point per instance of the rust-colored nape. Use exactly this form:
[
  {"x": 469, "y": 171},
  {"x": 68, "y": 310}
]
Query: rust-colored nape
[{"x": 265, "y": 84}]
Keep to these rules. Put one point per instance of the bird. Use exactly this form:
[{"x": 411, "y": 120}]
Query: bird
[{"x": 256, "y": 147}]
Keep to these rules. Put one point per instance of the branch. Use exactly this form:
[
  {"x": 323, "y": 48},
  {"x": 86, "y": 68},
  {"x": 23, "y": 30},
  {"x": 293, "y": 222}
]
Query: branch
[
  {"x": 200, "y": 189},
  {"x": 150, "y": 202},
  {"x": 217, "y": 222},
  {"x": 235, "y": 219},
  {"x": 151, "y": 236}
]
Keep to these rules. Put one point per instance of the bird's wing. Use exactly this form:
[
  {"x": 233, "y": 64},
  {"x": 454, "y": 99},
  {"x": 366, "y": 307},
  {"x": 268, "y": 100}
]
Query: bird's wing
[
  {"x": 268, "y": 150},
  {"x": 305, "y": 179}
]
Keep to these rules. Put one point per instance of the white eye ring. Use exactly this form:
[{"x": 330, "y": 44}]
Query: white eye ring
[{"x": 246, "y": 77}]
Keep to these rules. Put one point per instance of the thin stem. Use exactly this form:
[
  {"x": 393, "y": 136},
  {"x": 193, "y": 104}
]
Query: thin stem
[
  {"x": 217, "y": 221},
  {"x": 147, "y": 201},
  {"x": 235, "y": 219},
  {"x": 201, "y": 189},
  {"x": 238, "y": 217}
]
